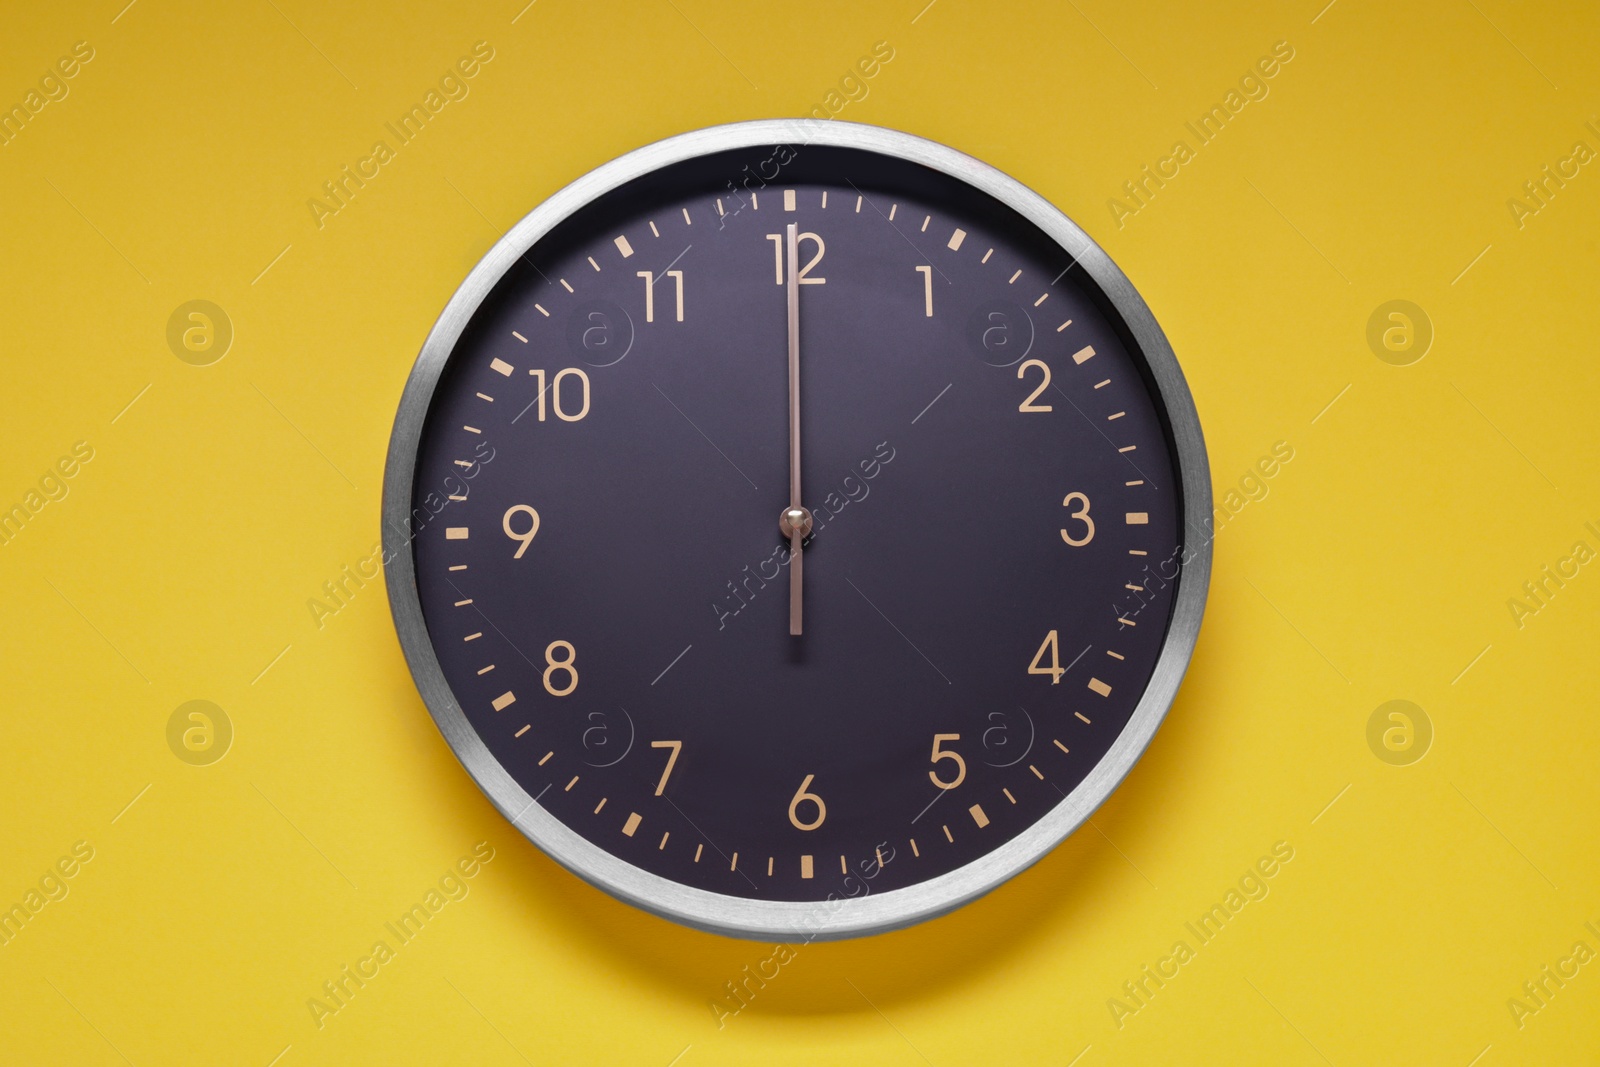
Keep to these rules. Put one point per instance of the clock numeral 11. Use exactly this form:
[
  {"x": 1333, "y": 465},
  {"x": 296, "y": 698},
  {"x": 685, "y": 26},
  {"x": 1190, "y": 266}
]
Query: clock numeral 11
[{"x": 650, "y": 292}]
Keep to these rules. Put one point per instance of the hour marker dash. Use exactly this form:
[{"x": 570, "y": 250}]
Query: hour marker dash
[
  {"x": 456, "y": 533},
  {"x": 519, "y": 337},
  {"x": 806, "y": 868},
  {"x": 914, "y": 850},
  {"x": 622, "y": 245},
  {"x": 1063, "y": 326},
  {"x": 462, "y": 604},
  {"x": 1136, "y": 481},
  {"x": 720, "y": 212},
  {"x": 632, "y": 824},
  {"x": 1042, "y": 298},
  {"x": 1099, "y": 687},
  {"x": 1135, "y": 588},
  {"x": 892, "y": 209},
  {"x": 986, "y": 256},
  {"x": 1083, "y": 355},
  {"x": 540, "y": 309},
  {"x": 470, "y": 429},
  {"x": 1102, "y": 385},
  {"x": 858, "y": 205},
  {"x": 1116, "y": 415},
  {"x": 1127, "y": 448},
  {"x": 600, "y": 805},
  {"x": 471, "y": 637},
  {"x": 689, "y": 222},
  {"x": 669, "y": 832},
  {"x": 769, "y": 866},
  {"x": 754, "y": 203},
  {"x": 487, "y": 669},
  {"x": 1137, "y": 552},
  {"x": 824, "y": 198},
  {"x": 1126, "y": 622},
  {"x": 1115, "y": 655},
  {"x": 570, "y": 784},
  {"x": 592, "y": 263},
  {"x": 524, "y": 730},
  {"x": 954, "y": 244},
  {"x": 1014, "y": 277},
  {"x": 1009, "y": 797},
  {"x": 653, "y": 230},
  {"x": 788, "y": 200},
  {"x": 1036, "y": 772},
  {"x": 564, "y": 283},
  {"x": 500, "y": 366},
  {"x": 843, "y": 869},
  {"x": 734, "y": 865},
  {"x": 544, "y": 758},
  {"x": 1062, "y": 748},
  {"x": 453, "y": 496},
  {"x": 464, "y": 463},
  {"x": 976, "y": 811},
  {"x": 947, "y": 836},
  {"x": 459, "y": 567},
  {"x": 697, "y": 850},
  {"x": 1138, "y": 518},
  {"x": 925, "y": 220},
  {"x": 486, "y": 396},
  {"x": 879, "y": 853},
  {"x": 1085, "y": 718},
  {"x": 504, "y": 700}
]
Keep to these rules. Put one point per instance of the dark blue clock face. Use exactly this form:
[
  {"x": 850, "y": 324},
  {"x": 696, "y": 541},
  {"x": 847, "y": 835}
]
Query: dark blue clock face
[{"x": 986, "y": 589}]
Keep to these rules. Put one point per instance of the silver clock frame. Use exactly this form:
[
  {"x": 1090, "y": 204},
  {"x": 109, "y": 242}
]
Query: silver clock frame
[{"x": 848, "y": 916}]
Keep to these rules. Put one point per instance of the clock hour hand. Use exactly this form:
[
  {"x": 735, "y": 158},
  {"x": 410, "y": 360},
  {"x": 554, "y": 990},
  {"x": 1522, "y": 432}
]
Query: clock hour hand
[{"x": 795, "y": 522}]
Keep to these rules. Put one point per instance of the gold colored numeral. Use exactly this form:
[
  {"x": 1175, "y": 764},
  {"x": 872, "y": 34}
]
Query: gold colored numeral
[
  {"x": 526, "y": 537},
  {"x": 805, "y": 271},
  {"x": 944, "y": 754},
  {"x": 650, "y": 292},
  {"x": 555, "y": 389},
  {"x": 802, "y": 796},
  {"x": 927, "y": 290},
  {"x": 672, "y": 760},
  {"x": 1083, "y": 514},
  {"x": 553, "y": 665},
  {"x": 1055, "y": 670},
  {"x": 1028, "y": 404}
]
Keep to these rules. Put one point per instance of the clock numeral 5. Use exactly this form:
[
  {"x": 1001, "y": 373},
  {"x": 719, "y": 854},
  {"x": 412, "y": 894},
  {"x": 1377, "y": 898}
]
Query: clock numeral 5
[
  {"x": 947, "y": 754},
  {"x": 555, "y": 391},
  {"x": 801, "y": 797}
]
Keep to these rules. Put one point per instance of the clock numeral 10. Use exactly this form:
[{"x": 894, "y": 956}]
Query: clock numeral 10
[
  {"x": 555, "y": 390},
  {"x": 803, "y": 797},
  {"x": 650, "y": 292}
]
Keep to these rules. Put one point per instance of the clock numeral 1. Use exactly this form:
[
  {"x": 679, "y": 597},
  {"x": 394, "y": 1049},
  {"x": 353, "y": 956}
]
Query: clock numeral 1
[{"x": 927, "y": 290}]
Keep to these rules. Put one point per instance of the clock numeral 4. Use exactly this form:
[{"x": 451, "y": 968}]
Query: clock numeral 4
[
  {"x": 1055, "y": 670},
  {"x": 1082, "y": 514},
  {"x": 1028, "y": 404},
  {"x": 555, "y": 391},
  {"x": 803, "y": 797},
  {"x": 553, "y": 665},
  {"x": 650, "y": 292},
  {"x": 946, "y": 754},
  {"x": 526, "y": 536}
]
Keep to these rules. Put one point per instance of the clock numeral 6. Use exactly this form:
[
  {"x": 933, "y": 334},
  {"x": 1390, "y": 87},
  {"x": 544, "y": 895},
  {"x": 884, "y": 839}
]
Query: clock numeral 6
[
  {"x": 944, "y": 754},
  {"x": 1028, "y": 404},
  {"x": 526, "y": 537},
  {"x": 555, "y": 390},
  {"x": 1055, "y": 670},
  {"x": 800, "y": 797},
  {"x": 1083, "y": 514},
  {"x": 553, "y": 665}
]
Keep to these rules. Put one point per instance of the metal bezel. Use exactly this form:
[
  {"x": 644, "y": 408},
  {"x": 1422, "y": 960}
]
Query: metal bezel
[{"x": 740, "y": 916}]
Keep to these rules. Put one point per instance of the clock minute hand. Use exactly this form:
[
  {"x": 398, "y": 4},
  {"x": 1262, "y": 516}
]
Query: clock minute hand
[{"x": 795, "y": 523}]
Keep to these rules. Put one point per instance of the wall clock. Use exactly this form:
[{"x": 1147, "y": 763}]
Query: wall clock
[{"x": 797, "y": 529}]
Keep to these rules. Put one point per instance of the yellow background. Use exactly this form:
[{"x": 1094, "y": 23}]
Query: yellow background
[{"x": 1378, "y": 568}]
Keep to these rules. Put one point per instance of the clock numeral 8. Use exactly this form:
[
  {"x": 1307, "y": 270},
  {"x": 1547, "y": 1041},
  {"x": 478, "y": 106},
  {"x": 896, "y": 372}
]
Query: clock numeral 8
[
  {"x": 554, "y": 665},
  {"x": 1081, "y": 513},
  {"x": 800, "y": 797}
]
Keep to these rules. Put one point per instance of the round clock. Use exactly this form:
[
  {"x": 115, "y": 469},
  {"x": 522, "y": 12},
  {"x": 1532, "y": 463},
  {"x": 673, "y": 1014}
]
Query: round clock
[{"x": 797, "y": 529}]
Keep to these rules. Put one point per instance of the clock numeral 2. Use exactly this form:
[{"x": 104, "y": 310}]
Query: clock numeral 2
[{"x": 1028, "y": 404}]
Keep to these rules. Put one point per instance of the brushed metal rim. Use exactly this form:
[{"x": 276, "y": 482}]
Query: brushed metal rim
[{"x": 788, "y": 920}]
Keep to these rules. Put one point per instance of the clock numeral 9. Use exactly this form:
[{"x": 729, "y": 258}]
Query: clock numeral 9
[
  {"x": 800, "y": 797},
  {"x": 1028, "y": 404},
  {"x": 1055, "y": 670},
  {"x": 553, "y": 665},
  {"x": 777, "y": 256},
  {"x": 650, "y": 292},
  {"x": 555, "y": 390},
  {"x": 526, "y": 537},
  {"x": 1081, "y": 514},
  {"x": 946, "y": 754}
]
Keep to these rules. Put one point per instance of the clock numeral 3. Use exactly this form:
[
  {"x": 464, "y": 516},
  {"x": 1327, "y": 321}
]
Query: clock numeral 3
[{"x": 1082, "y": 514}]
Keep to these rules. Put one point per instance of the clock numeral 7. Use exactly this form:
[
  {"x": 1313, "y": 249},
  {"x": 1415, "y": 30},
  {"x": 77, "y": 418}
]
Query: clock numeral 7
[
  {"x": 672, "y": 761},
  {"x": 650, "y": 292}
]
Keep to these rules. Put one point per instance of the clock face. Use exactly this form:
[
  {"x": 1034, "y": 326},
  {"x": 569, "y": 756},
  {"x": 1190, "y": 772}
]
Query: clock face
[{"x": 995, "y": 598}]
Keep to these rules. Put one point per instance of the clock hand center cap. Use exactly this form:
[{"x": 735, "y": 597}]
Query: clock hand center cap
[{"x": 795, "y": 521}]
